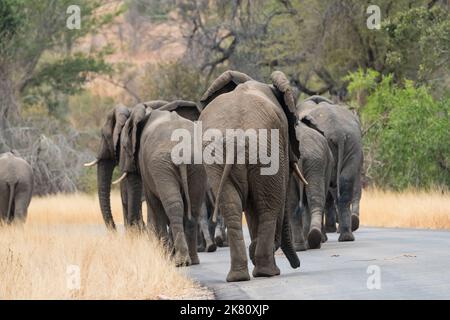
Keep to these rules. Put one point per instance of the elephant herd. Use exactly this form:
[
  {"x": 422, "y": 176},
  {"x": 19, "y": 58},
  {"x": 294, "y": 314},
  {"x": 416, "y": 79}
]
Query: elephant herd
[{"x": 195, "y": 206}]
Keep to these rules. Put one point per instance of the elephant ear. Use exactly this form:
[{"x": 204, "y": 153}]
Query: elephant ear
[
  {"x": 282, "y": 85},
  {"x": 155, "y": 104},
  {"x": 121, "y": 114},
  {"x": 115, "y": 120},
  {"x": 310, "y": 122},
  {"x": 187, "y": 109},
  {"x": 130, "y": 137},
  {"x": 226, "y": 82},
  {"x": 285, "y": 97}
]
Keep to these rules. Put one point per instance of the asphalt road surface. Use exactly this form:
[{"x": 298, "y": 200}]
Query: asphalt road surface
[{"x": 380, "y": 264}]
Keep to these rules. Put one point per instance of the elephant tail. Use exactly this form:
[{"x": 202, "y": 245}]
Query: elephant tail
[
  {"x": 225, "y": 174},
  {"x": 185, "y": 185},
  {"x": 12, "y": 188},
  {"x": 339, "y": 164}
]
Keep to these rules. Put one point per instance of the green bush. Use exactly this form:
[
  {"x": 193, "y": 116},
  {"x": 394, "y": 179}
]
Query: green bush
[{"x": 408, "y": 136}]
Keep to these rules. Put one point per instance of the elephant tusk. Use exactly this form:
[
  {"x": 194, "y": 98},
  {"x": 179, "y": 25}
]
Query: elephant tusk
[
  {"x": 123, "y": 176},
  {"x": 299, "y": 174},
  {"x": 91, "y": 164}
]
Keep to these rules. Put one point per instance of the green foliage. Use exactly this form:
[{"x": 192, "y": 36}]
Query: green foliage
[
  {"x": 36, "y": 52},
  {"x": 408, "y": 141},
  {"x": 54, "y": 81},
  {"x": 361, "y": 83},
  {"x": 419, "y": 42}
]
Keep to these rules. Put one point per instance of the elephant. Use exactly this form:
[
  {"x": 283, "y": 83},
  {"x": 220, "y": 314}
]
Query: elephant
[
  {"x": 16, "y": 188},
  {"x": 206, "y": 233},
  {"x": 236, "y": 101},
  {"x": 174, "y": 191},
  {"x": 342, "y": 130},
  {"x": 107, "y": 159},
  {"x": 306, "y": 203}
]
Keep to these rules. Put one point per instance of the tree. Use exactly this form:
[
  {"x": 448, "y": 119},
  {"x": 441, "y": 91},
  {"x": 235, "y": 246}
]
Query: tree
[
  {"x": 407, "y": 134},
  {"x": 317, "y": 42}
]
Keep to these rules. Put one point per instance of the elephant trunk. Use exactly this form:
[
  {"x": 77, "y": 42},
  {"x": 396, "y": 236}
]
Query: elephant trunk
[
  {"x": 105, "y": 170},
  {"x": 286, "y": 243},
  {"x": 134, "y": 191}
]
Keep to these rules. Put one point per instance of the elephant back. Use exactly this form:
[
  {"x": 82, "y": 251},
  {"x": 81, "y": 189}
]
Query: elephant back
[{"x": 186, "y": 109}]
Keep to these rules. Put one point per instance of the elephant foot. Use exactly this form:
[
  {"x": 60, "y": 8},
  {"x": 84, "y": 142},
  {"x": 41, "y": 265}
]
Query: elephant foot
[
  {"x": 219, "y": 241},
  {"x": 182, "y": 261},
  {"x": 324, "y": 237},
  {"x": 346, "y": 236},
  {"x": 238, "y": 275},
  {"x": 201, "y": 248},
  {"x": 266, "y": 271},
  {"x": 355, "y": 222},
  {"x": 331, "y": 229},
  {"x": 211, "y": 247},
  {"x": 195, "y": 260},
  {"x": 300, "y": 246},
  {"x": 314, "y": 238}
]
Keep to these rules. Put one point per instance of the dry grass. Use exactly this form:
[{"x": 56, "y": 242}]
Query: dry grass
[
  {"x": 35, "y": 260},
  {"x": 71, "y": 209},
  {"x": 409, "y": 209}
]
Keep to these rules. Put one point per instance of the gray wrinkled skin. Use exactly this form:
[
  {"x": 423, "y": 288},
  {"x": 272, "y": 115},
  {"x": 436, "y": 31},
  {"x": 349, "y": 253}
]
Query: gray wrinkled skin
[
  {"x": 16, "y": 188},
  {"x": 171, "y": 191},
  {"x": 343, "y": 133},
  {"x": 241, "y": 187},
  {"x": 306, "y": 204}
]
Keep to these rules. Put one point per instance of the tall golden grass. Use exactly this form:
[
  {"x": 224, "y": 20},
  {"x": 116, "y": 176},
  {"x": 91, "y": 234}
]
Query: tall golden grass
[
  {"x": 67, "y": 230},
  {"x": 407, "y": 209}
]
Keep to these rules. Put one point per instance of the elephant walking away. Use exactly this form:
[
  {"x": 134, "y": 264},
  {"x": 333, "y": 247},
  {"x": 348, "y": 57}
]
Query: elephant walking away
[
  {"x": 210, "y": 234},
  {"x": 174, "y": 192},
  {"x": 342, "y": 130},
  {"x": 16, "y": 188},
  {"x": 235, "y": 101},
  {"x": 107, "y": 159},
  {"x": 306, "y": 203}
]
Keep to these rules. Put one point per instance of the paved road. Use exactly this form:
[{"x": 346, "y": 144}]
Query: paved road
[{"x": 413, "y": 264}]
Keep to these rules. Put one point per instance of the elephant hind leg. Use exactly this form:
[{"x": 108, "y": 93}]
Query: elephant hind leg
[
  {"x": 330, "y": 214},
  {"x": 209, "y": 246},
  {"x": 174, "y": 208},
  {"x": 267, "y": 209},
  {"x": 344, "y": 200},
  {"x": 231, "y": 209},
  {"x": 157, "y": 221},
  {"x": 191, "y": 228},
  {"x": 19, "y": 210}
]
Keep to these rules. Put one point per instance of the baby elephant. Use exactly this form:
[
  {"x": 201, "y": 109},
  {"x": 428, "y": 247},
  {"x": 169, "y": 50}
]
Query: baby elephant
[{"x": 16, "y": 188}]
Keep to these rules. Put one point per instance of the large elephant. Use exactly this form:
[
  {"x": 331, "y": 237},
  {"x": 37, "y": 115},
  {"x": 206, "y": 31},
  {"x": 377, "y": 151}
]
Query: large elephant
[
  {"x": 235, "y": 101},
  {"x": 16, "y": 188},
  {"x": 342, "y": 130},
  {"x": 107, "y": 159},
  {"x": 174, "y": 191},
  {"x": 306, "y": 203}
]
